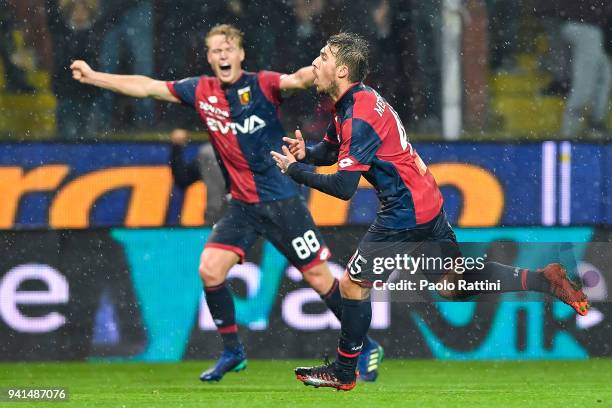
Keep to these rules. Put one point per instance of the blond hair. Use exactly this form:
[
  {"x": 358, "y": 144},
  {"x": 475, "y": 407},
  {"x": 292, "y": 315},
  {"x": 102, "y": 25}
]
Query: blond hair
[{"x": 229, "y": 31}]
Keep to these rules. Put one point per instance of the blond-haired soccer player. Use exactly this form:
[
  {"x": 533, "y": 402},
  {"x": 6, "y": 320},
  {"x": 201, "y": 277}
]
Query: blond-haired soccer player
[{"x": 240, "y": 112}]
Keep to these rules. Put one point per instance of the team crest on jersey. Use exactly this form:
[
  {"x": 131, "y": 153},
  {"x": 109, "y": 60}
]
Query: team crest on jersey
[{"x": 244, "y": 94}]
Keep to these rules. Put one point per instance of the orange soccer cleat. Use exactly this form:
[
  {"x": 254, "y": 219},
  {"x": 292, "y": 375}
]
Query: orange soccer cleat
[{"x": 564, "y": 289}]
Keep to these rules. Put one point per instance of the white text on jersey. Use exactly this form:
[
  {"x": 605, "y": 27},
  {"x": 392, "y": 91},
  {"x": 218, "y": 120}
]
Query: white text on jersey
[
  {"x": 250, "y": 125},
  {"x": 208, "y": 108},
  {"x": 380, "y": 105}
]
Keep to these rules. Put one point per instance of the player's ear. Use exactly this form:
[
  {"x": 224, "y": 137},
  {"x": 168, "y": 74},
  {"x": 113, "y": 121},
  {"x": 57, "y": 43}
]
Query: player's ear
[
  {"x": 342, "y": 71},
  {"x": 241, "y": 54}
]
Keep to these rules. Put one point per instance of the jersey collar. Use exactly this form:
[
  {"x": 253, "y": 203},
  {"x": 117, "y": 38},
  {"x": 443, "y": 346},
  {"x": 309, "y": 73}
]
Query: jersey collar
[
  {"x": 238, "y": 82},
  {"x": 348, "y": 94}
]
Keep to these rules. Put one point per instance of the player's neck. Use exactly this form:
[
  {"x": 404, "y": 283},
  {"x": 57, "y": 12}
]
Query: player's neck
[
  {"x": 339, "y": 91},
  {"x": 232, "y": 82}
]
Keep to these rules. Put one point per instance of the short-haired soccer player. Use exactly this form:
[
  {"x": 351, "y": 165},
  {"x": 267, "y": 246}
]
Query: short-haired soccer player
[
  {"x": 366, "y": 137},
  {"x": 241, "y": 113}
]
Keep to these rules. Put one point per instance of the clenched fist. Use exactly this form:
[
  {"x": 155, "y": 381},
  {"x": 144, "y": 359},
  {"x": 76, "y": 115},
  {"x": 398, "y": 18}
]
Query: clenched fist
[{"x": 81, "y": 71}]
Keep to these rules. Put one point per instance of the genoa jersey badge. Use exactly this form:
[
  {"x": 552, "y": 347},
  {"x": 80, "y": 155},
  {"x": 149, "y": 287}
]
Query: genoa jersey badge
[{"x": 244, "y": 94}]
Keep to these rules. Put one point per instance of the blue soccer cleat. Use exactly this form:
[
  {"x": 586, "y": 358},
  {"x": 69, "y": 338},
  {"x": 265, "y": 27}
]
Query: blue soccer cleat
[
  {"x": 369, "y": 360},
  {"x": 230, "y": 360}
]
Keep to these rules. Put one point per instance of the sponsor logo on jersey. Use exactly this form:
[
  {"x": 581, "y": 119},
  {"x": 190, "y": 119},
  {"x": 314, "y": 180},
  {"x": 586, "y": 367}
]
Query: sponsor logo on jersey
[
  {"x": 213, "y": 99},
  {"x": 250, "y": 125},
  {"x": 244, "y": 94},
  {"x": 213, "y": 110},
  {"x": 345, "y": 163}
]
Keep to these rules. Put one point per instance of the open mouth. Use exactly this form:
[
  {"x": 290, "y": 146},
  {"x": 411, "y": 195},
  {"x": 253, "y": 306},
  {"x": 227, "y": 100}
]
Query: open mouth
[{"x": 225, "y": 68}]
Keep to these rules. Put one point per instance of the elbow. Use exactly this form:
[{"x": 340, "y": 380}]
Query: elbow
[
  {"x": 345, "y": 195},
  {"x": 345, "y": 190}
]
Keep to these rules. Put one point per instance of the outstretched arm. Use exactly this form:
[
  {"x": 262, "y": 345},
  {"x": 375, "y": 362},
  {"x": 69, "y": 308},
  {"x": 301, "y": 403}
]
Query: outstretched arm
[
  {"x": 138, "y": 86},
  {"x": 303, "y": 78},
  {"x": 342, "y": 184}
]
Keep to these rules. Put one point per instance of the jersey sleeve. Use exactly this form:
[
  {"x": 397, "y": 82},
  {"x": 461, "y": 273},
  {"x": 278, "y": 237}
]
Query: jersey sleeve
[
  {"x": 184, "y": 90},
  {"x": 360, "y": 142},
  {"x": 269, "y": 81}
]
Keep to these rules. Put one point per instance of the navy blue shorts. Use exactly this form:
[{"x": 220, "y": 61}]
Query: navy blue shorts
[
  {"x": 433, "y": 239},
  {"x": 287, "y": 224}
]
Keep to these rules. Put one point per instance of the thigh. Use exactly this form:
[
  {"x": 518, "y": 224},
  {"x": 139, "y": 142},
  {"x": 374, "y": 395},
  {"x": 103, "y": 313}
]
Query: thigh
[
  {"x": 236, "y": 231},
  {"x": 441, "y": 249},
  {"x": 380, "y": 254},
  {"x": 290, "y": 227}
]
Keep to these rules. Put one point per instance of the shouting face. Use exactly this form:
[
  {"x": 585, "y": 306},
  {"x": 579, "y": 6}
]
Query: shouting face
[
  {"x": 326, "y": 72},
  {"x": 225, "y": 56}
]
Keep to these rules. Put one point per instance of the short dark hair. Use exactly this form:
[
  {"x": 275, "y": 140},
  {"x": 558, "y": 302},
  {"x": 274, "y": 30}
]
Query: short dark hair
[{"x": 351, "y": 50}]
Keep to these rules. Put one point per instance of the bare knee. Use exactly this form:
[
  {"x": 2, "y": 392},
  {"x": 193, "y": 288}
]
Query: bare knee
[
  {"x": 319, "y": 278},
  {"x": 215, "y": 264},
  {"x": 350, "y": 289},
  {"x": 210, "y": 275}
]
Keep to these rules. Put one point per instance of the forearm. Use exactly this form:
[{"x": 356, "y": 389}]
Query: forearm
[
  {"x": 322, "y": 154},
  {"x": 305, "y": 77},
  {"x": 137, "y": 86},
  {"x": 342, "y": 184}
]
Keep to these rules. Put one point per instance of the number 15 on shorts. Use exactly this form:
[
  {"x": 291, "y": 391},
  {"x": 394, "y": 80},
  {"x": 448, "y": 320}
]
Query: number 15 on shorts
[{"x": 355, "y": 265}]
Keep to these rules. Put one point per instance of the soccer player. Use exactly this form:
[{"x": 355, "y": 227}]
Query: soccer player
[
  {"x": 366, "y": 137},
  {"x": 240, "y": 111}
]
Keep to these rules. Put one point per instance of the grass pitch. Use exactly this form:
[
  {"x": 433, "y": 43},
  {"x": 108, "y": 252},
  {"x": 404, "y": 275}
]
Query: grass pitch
[{"x": 268, "y": 383}]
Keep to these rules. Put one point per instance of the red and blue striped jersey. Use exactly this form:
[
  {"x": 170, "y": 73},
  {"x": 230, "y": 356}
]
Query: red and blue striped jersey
[
  {"x": 373, "y": 140},
  {"x": 244, "y": 126}
]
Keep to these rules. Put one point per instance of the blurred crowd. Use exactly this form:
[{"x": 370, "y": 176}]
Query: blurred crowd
[{"x": 164, "y": 39}]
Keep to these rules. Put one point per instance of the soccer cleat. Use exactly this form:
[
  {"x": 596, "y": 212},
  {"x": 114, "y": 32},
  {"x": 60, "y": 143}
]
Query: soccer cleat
[
  {"x": 368, "y": 362},
  {"x": 324, "y": 376},
  {"x": 230, "y": 360},
  {"x": 564, "y": 289}
]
